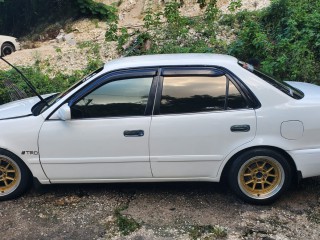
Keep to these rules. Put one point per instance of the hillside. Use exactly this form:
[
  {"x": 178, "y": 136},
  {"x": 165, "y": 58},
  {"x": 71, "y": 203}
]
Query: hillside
[{"x": 89, "y": 36}]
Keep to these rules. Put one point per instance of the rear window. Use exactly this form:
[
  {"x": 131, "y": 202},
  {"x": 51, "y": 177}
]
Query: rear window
[{"x": 282, "y": 86}]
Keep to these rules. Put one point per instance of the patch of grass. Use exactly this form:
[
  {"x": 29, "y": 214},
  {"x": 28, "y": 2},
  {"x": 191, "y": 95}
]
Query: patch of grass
[
  {"x": 58, "y": 50},
  {"x": 314, "y": 216},
  {"x": 91, "y": 47},
  {"x": 84, "y": 44},
  {"x": 207, "y": 232},
  {"x": 125, "y": 224}
]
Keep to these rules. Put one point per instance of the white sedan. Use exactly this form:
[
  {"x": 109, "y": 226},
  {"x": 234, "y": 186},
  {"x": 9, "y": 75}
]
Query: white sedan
[{"x": 179, "y": 117}]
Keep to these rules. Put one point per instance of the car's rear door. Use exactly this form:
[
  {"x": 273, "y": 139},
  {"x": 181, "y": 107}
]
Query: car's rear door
[
  {"x": 107, "y": 137},
  {"x": 200, "y": 116}
]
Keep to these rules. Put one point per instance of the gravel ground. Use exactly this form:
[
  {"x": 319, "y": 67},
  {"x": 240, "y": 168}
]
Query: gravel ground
[
  {"x": 158, "y": 211},
  {"x": 149, "y": 211}
]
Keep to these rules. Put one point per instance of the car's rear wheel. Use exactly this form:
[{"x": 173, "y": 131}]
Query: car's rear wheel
[
  {"x": 260, "y": 176},
  {"x": 15, "y": 177},
  {"x": 7, "y": 49}
]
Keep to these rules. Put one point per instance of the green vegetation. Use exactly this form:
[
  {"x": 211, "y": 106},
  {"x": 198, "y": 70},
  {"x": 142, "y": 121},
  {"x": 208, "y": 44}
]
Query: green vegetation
[
  {"x": 20, "y": 17},
  {"x": 285, "y": 37},
  {"x": 96, "y": 9},
  {"x": 170, "y": 32},
  {"x": 125, "y": 224},
  {"x": 207, "y": 232},
  {"x": 42, "y": 81}
]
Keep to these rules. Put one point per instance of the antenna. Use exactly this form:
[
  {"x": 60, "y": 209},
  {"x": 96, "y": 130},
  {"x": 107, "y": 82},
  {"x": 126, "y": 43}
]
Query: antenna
[{"x": 33, "y": 89}]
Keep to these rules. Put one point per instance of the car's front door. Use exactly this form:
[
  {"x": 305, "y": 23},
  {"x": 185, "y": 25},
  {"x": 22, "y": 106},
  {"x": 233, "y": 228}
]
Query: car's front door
[
  {"x": 107, "y": 136},
  {"x": 199, "y": 118}
]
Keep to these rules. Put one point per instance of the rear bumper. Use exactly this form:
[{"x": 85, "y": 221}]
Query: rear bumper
[{"x": 307, "y": 161}]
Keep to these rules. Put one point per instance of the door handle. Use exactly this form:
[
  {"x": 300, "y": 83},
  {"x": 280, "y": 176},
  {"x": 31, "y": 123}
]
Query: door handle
[
  {"x": 240, "y": 128},
  {"x": 133, "y": 133}
]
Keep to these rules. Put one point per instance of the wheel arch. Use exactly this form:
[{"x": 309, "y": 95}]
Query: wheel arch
[
  {"x": 8, "y": 42},
  {"x": 21, "y": 160},
  {"x": 295, "y": 174}
]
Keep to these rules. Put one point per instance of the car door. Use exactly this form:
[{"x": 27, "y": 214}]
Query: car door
[
  {"x": 107, "y": 135},
  {"x": 200, "y": 116}
]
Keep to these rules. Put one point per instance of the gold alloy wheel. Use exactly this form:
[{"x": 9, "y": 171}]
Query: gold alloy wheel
[
  {"x": 261, "y": 177},
  {"x": 10, "y": 175}
]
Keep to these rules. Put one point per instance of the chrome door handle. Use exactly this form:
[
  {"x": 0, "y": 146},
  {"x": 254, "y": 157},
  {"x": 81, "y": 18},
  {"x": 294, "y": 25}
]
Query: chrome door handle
[
  {"x": 240, "y": 128},
  {"x": 133, "y": 133}
]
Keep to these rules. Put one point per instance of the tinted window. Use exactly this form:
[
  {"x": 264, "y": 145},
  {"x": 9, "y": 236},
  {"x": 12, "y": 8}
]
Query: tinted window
[
  {"x": 282, "y": 86},
  {"x": 193, "y": 94},
  {"x": 57, "y": 97},
  {"x": 126, "y": 97},
  {"x": 235, "y": 99}
]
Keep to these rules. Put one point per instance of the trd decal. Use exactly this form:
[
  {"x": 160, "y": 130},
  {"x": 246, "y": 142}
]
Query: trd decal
[{"x": 29, "y": 153}]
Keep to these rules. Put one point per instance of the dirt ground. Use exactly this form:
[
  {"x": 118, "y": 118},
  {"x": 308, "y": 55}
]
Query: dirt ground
[{"x": 158, "y": 211}]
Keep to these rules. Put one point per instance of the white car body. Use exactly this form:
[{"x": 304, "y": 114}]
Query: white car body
[
  {"x": 10, "y": 40},
  {"x": 174, "y": 147}
]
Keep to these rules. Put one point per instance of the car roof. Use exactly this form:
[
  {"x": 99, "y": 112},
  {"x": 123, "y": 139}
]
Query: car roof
[{"x": 169, "y": 60}]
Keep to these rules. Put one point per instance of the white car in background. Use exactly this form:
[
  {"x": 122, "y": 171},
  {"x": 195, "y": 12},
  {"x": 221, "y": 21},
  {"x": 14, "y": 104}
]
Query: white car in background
[
  {"x": 8, "y": 45},
  {"x": 176, "y": 117}
]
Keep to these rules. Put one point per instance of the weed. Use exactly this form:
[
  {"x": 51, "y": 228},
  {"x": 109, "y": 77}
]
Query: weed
[
  {"x": 125, "y": 224},
  {"x": 111, "y": 33},
  {"x": 58, "y": 50},
  {"x": 207, "y": 231},
  {"x": 123, "y": 38},
  {"x": 93, "y": 48},
  {"x": 314, "y": 215},
  {"x": 93, "y": 64},
  {"x": 84, "y": 44},
  {"x": 234, "y": 5}
]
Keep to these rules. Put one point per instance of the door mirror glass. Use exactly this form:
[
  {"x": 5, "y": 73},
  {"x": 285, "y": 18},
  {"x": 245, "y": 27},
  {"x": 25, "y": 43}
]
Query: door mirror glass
[{"x": 64, "y": 112}]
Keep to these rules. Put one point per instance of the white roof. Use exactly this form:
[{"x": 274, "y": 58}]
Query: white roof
[{"x": 169, "y": 60}]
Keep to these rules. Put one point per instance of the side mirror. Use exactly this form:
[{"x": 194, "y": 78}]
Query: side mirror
[{"x": 64, "y": 113}]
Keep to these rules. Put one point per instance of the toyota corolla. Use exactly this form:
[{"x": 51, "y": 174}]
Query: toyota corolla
[{"x": 177, "y": 117}]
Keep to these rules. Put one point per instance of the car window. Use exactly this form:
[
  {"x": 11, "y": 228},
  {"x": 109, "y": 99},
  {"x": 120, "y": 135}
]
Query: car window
[
  {"x": 235, "y": 99},
  {"x": 52, "y": 100},
  {"x": 189, "y": 94},
  {"x": 126, "y": 97},
  {"x": 281, "y": 85}
]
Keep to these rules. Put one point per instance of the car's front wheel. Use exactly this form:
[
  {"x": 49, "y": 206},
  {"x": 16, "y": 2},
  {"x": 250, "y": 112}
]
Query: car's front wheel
[
  {"x": 7, "y": 49},
  {"x": 260, "y": 176},
  {"x": 15, "y": 177}
]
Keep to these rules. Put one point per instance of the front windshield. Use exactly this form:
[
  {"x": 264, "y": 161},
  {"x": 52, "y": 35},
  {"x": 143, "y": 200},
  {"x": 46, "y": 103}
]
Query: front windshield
[
  {"x": 57, "y": 97},
  {"x": 282, "y": 86}
]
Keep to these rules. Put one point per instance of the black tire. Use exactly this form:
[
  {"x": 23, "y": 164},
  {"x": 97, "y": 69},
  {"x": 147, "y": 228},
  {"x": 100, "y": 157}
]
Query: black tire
[
  {"x": 7, "y": 49},
  {"x": 15, "y": 177},
  {"x": 260, "y": 176}
]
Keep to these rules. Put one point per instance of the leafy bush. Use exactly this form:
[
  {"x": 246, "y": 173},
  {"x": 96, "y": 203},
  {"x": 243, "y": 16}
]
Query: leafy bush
[
  {"x": 42, "y": 82},
  {"x": 96, "y": 9},
  {"x": 285, "y": 37}
]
